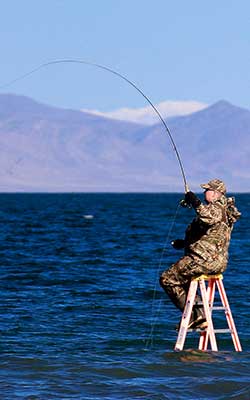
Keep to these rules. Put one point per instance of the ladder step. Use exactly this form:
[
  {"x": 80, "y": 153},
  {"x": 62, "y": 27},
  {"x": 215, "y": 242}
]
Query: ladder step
[
  {"x": 205, "y": 330},
  {"x": 213, "y": 308},
  {"x": 222, "y": 330}
]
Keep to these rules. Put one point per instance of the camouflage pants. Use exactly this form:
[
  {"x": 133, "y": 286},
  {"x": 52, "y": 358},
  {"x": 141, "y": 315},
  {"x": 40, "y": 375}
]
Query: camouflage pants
[{"x": 176, "y": 280}]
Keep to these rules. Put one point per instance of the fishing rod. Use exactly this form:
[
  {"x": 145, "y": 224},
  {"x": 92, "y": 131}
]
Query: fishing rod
[{"x": 80, "y": 61}]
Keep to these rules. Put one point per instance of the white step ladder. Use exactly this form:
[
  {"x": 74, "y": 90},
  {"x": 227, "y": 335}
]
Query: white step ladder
[{"x": 207, "y": 294}]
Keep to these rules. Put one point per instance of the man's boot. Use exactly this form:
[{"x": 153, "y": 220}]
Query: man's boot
[{"x": 198, "y": 319}]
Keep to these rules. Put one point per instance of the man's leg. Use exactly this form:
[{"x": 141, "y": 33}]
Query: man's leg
[{"x": 176, "y": 280}]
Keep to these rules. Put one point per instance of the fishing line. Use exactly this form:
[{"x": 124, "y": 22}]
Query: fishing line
[
  {"x": 155, "y": 315},
  {"x": 80, "y": 61}
]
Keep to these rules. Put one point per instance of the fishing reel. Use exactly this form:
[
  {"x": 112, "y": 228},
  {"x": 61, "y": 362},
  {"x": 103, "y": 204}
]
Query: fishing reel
[{"x": 184, "y": 204}]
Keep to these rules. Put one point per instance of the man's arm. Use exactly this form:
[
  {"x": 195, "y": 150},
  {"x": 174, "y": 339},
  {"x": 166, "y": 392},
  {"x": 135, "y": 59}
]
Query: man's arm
[{"x": 210, "y": 214}]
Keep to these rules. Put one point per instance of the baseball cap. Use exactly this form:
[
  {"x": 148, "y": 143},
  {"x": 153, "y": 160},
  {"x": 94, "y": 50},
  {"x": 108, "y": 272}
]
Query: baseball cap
[{"x": 215, "y": 184}]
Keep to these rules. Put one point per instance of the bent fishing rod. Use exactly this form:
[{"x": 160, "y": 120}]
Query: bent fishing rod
[{"x": 80, "y": 61}]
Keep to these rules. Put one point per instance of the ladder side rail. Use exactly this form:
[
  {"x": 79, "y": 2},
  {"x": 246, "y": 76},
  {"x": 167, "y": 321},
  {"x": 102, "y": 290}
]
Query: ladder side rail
[
  {"x": 186, "y": 316},
  {"x": 229, "y": 317},
  {"x": 210, "y": 328},
  {"x": 203, "y": 342}
]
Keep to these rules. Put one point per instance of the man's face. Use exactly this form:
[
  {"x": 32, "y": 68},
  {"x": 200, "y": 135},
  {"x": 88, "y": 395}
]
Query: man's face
[{"x": 211, "y": 195}]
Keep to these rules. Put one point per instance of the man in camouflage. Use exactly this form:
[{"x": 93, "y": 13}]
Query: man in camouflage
[{"x": 205, "y": 245}]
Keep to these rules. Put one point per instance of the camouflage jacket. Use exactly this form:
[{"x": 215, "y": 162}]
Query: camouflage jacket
[{"x": 208, "y": 236}]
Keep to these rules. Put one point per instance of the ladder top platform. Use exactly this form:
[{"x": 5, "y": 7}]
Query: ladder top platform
[{"x": 207, "y": 277}]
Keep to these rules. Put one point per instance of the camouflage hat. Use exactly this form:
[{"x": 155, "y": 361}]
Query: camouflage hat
[{"x": 215, "y": 184}]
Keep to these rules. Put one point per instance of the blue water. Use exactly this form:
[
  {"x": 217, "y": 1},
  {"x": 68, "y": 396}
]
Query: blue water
[{"x": 82, "y": 315}]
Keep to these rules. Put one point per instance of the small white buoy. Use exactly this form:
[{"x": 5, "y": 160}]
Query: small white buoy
[{"x": 88, "y": 216}]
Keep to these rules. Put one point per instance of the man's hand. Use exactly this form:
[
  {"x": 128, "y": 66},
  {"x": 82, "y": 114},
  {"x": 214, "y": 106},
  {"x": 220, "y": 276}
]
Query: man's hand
[
  {"x": 178, "y": 244},
  {"x": 192, "y": 199}
]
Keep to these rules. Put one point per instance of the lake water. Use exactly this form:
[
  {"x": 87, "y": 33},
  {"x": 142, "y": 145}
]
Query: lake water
[{"x": 82, "y": 315}]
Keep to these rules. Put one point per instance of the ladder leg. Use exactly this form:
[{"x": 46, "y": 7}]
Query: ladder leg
[
  {"x": 186, "y": 316},
  {"x": 229, "y": 317},
  {"x": 210, "y": 328},
  {"x": 203, "y": 342}
]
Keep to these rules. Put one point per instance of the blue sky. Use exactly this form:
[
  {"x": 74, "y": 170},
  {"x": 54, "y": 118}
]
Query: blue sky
[{"x": 173, "y": 50}]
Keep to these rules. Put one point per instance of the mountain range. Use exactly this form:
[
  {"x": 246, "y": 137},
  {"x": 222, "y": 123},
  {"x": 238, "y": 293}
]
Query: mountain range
[{"x": 49, "y": 149}]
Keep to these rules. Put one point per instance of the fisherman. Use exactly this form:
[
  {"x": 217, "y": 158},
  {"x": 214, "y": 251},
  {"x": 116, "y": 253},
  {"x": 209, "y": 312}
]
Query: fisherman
[{"x": 205, "y": 246}]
